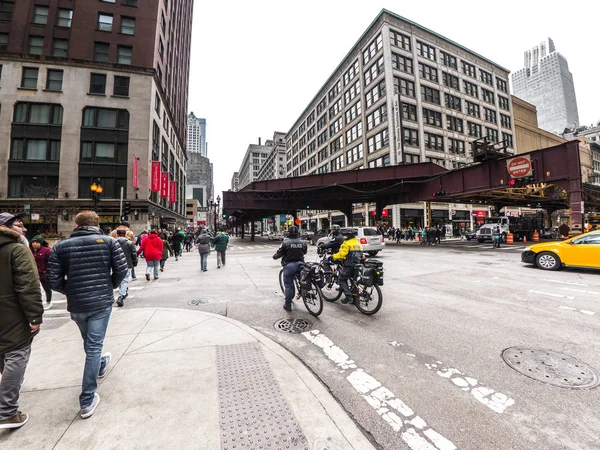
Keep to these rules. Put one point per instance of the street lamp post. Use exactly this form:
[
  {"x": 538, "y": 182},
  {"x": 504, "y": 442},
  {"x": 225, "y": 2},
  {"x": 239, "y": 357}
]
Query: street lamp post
[
  {"x": 96, "y": 189},
  {"x": 217, "y": 211}
]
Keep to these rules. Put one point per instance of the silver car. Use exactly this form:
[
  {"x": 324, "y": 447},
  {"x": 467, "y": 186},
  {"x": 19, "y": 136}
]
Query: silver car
[{"x": 370, "y": 238}]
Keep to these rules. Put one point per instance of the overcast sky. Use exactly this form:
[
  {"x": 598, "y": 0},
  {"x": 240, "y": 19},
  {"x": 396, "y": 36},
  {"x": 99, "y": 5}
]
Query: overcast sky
[{"x": 256, "y": 64}]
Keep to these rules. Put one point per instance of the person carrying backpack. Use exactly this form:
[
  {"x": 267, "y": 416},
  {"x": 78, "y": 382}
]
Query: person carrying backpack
[{"x": 349, "y": 255}]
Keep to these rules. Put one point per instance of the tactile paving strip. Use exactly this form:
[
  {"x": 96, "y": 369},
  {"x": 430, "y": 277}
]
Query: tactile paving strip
[{"x": 254, "y": 413}]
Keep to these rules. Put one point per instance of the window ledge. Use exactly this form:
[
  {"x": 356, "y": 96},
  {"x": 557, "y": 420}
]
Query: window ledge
[
  {"x": 21, "y": 88},
  {"x": 96, "y": 95},
  {"x": 52, "y": 90},
  {"x": 120, "y": 96}
]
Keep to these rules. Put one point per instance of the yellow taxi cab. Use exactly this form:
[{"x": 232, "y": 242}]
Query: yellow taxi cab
[{"x": 579, "y": 251}]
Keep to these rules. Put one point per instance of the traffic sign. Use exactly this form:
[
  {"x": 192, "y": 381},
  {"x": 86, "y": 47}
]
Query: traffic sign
[{"x": 519, "y": 167}]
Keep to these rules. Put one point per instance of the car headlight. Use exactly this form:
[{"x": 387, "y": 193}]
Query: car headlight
[{"x": 527, "y": 249}]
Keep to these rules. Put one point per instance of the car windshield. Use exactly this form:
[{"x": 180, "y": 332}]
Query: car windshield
[{"x": 371, "y": 232}]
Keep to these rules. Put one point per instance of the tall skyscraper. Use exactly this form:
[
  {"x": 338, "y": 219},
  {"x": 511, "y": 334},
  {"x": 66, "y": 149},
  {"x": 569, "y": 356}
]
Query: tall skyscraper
[
  {"x": 196, "y": 142},
  {"x": 93, "y": 93},
  {"x": 547, "y": 83}
]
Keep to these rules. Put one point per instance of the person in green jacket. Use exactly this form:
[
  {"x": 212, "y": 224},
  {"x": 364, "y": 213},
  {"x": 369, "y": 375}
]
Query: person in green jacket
[
  {"x": 22, "y": 310},
  {"x": 220, "y": 241}
]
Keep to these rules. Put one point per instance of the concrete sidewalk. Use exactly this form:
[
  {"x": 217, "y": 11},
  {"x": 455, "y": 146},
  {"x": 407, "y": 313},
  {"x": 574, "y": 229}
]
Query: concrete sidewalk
[{"x": 178, "y": 379}]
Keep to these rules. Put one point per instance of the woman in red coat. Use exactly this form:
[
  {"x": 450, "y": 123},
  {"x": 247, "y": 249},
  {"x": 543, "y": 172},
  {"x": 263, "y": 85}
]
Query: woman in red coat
[
  {"x": 41, "y": 253},
  {"x": 152, "y": 247}
]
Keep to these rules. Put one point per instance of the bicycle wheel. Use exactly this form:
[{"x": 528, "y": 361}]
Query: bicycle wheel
[
  {"x": 330, "y": 289},
  {"x": 369, "y": 299},
  {"x": 313, "y": 300},
  {"x": 281, "y": 281}
]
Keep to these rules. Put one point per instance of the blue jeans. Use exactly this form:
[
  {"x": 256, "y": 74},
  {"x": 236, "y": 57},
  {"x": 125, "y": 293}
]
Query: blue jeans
[
  {"x": 204, "y": 261},
  {"x": 124, "y": 284},
  {"x": 92, "y": 327},
  {"x": 152, "y": 266},
  {"x": 289, "y": 272}
]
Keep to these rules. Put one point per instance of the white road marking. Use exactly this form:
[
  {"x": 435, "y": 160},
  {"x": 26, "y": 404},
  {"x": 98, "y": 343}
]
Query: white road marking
[
  {"x": 581, "y": 290},
  {"x": 494, "y": 400},
  {"x": 136, "y": 288},
  {"x": 414, "y": 430},
  {"x": 58, "y": 302},
  {"x": 565, "y": 282},
  {"x": 583, "y": 311},
  {"x": 550, "y": 294},
  {"x": 56, "y": 312}
]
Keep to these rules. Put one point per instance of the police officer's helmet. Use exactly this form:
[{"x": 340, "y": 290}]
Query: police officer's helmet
[
  {"x": 335, "y": 230},
  {"x": 348, "y": 233},
  {"x": 293, "y": 232}
]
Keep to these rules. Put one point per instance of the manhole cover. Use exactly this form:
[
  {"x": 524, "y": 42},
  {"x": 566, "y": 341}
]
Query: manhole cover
[
  {"x": 551, "y": 367},
  {"x": 292, "y": 325},
  {"x": 198, "y": 301}
]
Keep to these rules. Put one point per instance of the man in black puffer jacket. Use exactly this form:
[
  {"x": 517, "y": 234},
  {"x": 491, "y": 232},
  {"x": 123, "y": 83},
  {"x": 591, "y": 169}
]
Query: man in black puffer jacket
[
  {"x": 86, "y": 268},
  {"x": 292, "y": 253}
]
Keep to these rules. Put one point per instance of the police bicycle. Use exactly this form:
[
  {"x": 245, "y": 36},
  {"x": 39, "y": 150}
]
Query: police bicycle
[{"x": 308, "y": 282}]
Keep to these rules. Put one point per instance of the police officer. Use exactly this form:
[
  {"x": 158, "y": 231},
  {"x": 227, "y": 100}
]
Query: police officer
[
  {"x": 292, "y": 251},
  {"x": 334, "y": 245},
  {"x": 350, "y": 254}
]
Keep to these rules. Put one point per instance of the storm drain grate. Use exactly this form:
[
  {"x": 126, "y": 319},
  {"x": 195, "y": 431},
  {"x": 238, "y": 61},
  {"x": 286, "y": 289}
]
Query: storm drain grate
[
  {"x": 254, "y": 414},
  {"x": 292, "y": 325},
  {"x": 198, "y": 301},
  {"x": 551, "y": 367}
]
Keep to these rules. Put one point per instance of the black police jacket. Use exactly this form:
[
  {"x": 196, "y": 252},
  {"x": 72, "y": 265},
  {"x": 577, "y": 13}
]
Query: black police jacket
[
  {"x": 335, "y": 244},
  {"x": 291, "y": 250},
  {"x": 86, "y": 268}
]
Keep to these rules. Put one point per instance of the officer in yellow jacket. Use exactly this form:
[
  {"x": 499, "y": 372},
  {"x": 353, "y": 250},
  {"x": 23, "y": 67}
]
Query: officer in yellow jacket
[{"x": 349, "y": 255}]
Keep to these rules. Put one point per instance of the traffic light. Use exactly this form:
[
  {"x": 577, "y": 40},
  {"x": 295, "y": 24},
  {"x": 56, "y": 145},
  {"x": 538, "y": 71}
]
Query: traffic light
[
  {"x": 519, "y": 182},
  {"x": 224, "y": 216},
  {"x": 438, "y": 194},
  {"x": 126, "y": 208}
]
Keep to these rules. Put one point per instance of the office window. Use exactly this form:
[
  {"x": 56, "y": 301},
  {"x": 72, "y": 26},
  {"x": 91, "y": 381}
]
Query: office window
[
  {"x": 38, "y": 113},
  {"x": 434, "y": 142},
  {"x": 377, "y": 117},
  {"x": 101, "y": 50},
  {"x": 351, "y": 73},
  {"x": 6, "y": 9},
  {"x": 35, "y": 150},
  {"x": 428, "y": 72},
  {"x": 372, "y": 49},
  {"x": 409, "y": 112},
  {"x": 468, "y": 69},
  {"x": 103, "y": 152},
  {"x": 121, "y": 86},
  {"x": 374, "y": 71},
  {"x": 161, "y": 48},
  {"x": 60, "y": 48},
  {"x": 375, "y": 94},
  {"x": 410, "y": 137},
  {"x": 433, "y": 118},
  {"x": 430, "y": 95},
  {"x": 354, "y": 154},
  {"x": 335, "y": 90},
  {"x": 474, "y": 129},
  {"x": 106, "y": 118},
  {"x": 426, "y": 50},
  {"x": 353, "y": 112},
  {"x": 379, "y": 162},
  {"x": 404, "y": 87},
  {"x": 352, "y": 92},
  {"x": 508, "y": 140},
  {"x": 40, "y": 15},
  {"x": 159, "y": 72},
  {"x": 124, "y": 54},
  {"x": 109, "y": 1},
  {"x": 3, "y": 42},
  {"x": 400, "y": 40},
  {"x": 33, "y": 187},
  {"x": 452, "y": 102},
  {"x": 128, "y": 25},
  {"x": 454, "y": 124},
  {"x": 97, "y": 83},
  {"x": 505, "y": 121},
  {"x": 471, "y": 89},
  {"x": 65, "y": 18},
  {"x": 378, "y": 141},
  {"x": 36, "y": 45},
  {"x": 337, "y": 163},
  {"x": 473, "y": 109},
  {"x": 163, "y": 22},
  {"x": 492, "y": 134},
  {"x": 157, "y": 103},
  {"x": 402, "y": 63},
  {"x": 486, "y": 77},
  {"x": 54, "y": 80},
  {"x": 129, "y": 2},
  {"x": 449, "y": 60},
  {"x": 489, "y": 115},
  {"x": 29, "y": 77},
  {"x": 105, "y": 22},
  {"x": 354, "y": 133},
  {"x": 451, "y": 81},
  {"x": 501, "y": 85},
  {"x": 456, "y": 146},
  {"x": 487, "y": 96},
  {"x": 503, "y": 103}
]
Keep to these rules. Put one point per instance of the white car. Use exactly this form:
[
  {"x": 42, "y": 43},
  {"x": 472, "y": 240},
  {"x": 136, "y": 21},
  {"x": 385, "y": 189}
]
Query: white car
[
  {"x": 275, "y": 236},
  {"x": 370, "y": 238}
]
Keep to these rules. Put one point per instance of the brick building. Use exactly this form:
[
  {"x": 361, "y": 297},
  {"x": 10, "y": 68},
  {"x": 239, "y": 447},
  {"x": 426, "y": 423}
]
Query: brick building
[{"x": 93, "y": 90}]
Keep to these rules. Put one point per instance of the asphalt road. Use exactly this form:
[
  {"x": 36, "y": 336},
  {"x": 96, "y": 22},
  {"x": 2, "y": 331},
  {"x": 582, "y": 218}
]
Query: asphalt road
[{"x": 426, "y": 371}]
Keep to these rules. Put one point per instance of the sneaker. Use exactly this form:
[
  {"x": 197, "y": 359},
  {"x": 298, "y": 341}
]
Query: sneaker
[
  {"x": 218, "y": 267},
  {"x": 148, "y": 277},
  {"x": 287, "y": 308},
  {"x": 120, "y": 301},
  {"x": 107, "y": 357},
  {"x": 347, "y": 300},
  {"x": 162, "y": 270},
  {"x": 16, "y": 421},
  {"x": 134, "y": 278},
  {"x": 89, "y": 410},
  {"x": 47, "y": 306}
]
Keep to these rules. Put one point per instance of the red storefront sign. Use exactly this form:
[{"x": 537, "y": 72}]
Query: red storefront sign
[
  {"x": 173, "y": 192},
  {"x": 135, "y": 171},
  {"x": 155, "y": 180},
  {"x": 164, "y": 184},
  {"x": 384, "y": 213},
  {"x": 480, "y": 214}
]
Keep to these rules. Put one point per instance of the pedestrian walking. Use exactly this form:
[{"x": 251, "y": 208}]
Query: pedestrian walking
[
  {"x": 497, "y": 235},
  {"x": 189, "y": 241},
  {"x": 132, "y": 260},
  {"x": 41, "y": 254},
  {"x": 86, "y": 268},
  {"x": 129, "y": 235},
  {"x": 220, "y": 242},
  {"x": 178, "y": 238},
  {"x": 21, "y": 317},
  {"x": 291, "y": 252},
  {"x": 203, "y": 242},
  {"x": 167, "y": 250},
  {"x": 152, "y": 247}
]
